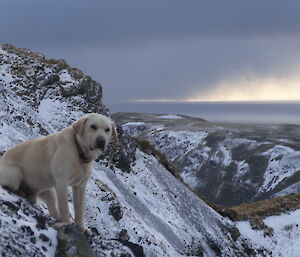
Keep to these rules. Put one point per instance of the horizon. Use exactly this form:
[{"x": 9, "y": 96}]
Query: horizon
[
  {"x": 205, "y": 101},
  {"x": 254, "y": 112}
]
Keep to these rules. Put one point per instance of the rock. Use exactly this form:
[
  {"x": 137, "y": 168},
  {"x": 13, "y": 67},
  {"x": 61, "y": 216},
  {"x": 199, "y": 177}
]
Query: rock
[
  {"x": 10, "y": 205},
  {"x": 43, "y": 237},
  {"x": 72, "y": 243},
  {"x": 137, "y": 250},
  {"x": 122, "y": 153},
  {"x": 109, "y": 247},
  {"x": 41, "y": 221},
  {"x": 51, "y": 80},
  {"x": 27, "y": 230},
  {"x": 123, "y": 235},
  {"x": 116, "y": 211}
]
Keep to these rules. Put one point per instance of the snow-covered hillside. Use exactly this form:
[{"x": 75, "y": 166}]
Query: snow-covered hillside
[
  {"x": 228, "y": 164},
  {"x": 142, "y": 209}
]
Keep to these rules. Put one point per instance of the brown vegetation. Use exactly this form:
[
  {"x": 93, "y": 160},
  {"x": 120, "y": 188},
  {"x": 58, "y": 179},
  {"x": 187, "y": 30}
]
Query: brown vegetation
[{"x": 259, "y": 210}]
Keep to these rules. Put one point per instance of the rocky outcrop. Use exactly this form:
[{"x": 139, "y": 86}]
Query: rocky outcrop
[{"x": 34, "y": 78}]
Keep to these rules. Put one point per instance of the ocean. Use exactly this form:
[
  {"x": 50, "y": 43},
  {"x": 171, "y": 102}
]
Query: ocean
[{"x": 231, "y": 112}]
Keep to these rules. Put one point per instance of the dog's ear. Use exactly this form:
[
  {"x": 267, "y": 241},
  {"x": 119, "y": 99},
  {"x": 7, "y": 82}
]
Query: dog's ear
[
  {"x": 115, "y": 137},
  {"x": 78, "y": 126}
]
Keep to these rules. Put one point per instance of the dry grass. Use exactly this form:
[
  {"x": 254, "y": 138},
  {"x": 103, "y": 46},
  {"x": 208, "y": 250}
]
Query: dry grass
[{"x": 262, "y": 209}]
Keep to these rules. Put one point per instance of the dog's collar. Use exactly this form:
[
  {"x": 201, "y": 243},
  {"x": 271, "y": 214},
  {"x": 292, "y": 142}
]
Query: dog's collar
[{"x": 81, "y": 155}]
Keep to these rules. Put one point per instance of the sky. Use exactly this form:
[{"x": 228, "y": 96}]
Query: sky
[{"x": 167, "y": 50}]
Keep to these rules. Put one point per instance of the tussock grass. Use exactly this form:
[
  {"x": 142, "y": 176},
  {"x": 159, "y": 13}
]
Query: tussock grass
[{"x": 265, "y": 208}]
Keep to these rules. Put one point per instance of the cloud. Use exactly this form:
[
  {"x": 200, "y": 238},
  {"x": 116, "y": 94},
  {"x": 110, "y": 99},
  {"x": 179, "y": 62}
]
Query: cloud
[
  {"x": 71, "y": 22},
  {"x": 252, "y": 89}
]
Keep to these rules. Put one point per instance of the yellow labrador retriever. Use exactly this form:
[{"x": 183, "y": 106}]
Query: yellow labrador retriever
[{"x": 46, "y": 166}]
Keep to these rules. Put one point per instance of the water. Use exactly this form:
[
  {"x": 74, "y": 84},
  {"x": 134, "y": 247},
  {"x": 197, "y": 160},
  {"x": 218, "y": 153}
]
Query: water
[{"x": 239, "y": 112}]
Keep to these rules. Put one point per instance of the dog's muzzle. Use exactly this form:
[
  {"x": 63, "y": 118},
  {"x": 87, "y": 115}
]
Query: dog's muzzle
[{"x": 100, "y": 143}]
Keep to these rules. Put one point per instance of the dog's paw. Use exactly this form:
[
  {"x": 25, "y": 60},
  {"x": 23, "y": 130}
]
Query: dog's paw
[
  {"x": 37, "y": 206},
  {"x": 86, "y": 230},
  {"x": 58, "y": 225}
]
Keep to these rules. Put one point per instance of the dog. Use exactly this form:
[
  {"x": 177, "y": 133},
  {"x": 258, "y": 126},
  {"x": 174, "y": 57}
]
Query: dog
[{"x": 46, "y": 166}]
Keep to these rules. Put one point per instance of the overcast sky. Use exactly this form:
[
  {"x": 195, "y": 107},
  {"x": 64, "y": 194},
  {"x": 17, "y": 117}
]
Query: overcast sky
[{"x": 167, "y": 49}]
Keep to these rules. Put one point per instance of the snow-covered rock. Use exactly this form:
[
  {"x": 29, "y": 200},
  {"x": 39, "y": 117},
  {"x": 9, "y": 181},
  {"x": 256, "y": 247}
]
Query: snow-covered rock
[
  {"x": 134, "y": 206},
  {"x": 24, "y": 229}
]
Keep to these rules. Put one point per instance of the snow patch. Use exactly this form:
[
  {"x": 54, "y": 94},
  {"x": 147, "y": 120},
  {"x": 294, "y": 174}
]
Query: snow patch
[
  {"x": 53, "y": 111},
  {"x": 175, "y": 143},
  {"x": 285, "y": 240},
  {"x": 65, "y": 76},
  {"x": 170, "y": 116},
  {"x": 283, "y": 163},
  {"x": 138, "y": 123},
  {"x": 5, "y": 75}
]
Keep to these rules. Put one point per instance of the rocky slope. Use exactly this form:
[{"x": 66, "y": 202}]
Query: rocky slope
[
  {"x": 134, "y": 206},
  {"x": 227, "y": 164}
]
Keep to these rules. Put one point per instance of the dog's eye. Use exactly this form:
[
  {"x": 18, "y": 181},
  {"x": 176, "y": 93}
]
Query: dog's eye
[
  {"x": 94, "y": 127},
  {"x": 107, "y": 130}
]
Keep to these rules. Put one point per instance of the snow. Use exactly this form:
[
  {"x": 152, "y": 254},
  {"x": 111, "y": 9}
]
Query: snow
[
  {"x": 168, "y": 214},
  {"x": 146, "y": 213},
  {"x": 170, "y": 116},
  {"x": 285, "y": 240},
  {"x": 134, "y": 128},
  {"x": 53, "y": 111},
  {"x": 242, "y": 169},
  {"x": 5, "y": 75},
  {"x": 48, "y": 109},
  {"x": 193, "y": 162},
  {"x": 174, "y": 144},
  {"x": 2, "y": 52},
  {"x": 65, "y": 76},
  {"x": 292, "y": 189},
  {"x": 134, "y": 124},
  {"x": 283, "y": 163}
]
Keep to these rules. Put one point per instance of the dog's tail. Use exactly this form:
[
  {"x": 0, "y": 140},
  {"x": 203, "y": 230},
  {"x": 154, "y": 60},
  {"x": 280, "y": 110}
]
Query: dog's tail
[{"x": 10, "y": 176}]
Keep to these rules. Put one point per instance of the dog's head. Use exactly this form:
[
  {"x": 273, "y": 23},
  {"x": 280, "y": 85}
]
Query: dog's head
[{"x": 94, "y": 132}]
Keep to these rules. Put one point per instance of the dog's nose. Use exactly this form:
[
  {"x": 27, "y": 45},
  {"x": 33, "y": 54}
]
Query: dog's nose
[{"x": 100, "y": 143}]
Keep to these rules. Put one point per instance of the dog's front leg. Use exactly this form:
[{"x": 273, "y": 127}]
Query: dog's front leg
[
  {"x": 62, "y": 200},
  {"x": 78, "y": 199}
]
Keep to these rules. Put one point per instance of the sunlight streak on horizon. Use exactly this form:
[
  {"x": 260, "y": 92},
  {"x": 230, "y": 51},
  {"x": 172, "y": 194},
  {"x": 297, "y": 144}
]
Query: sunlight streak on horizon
[
  {"x": 254, "y": 89},
  {"x": 243, "y": 90}
]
